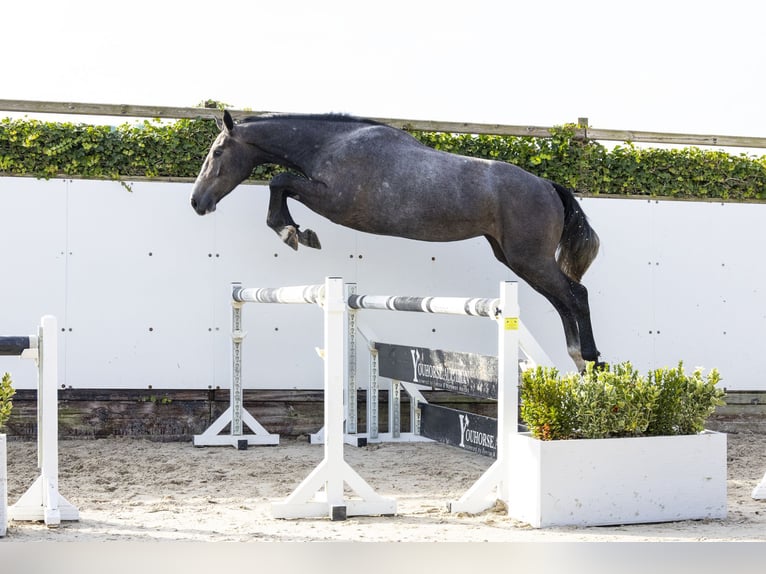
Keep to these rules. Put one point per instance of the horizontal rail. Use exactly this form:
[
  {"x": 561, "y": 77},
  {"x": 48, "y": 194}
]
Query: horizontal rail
[
  {"x": 290, "y": 295},
  {"x": 124, "y": 110},
  {"x": 475, "y": 307},
  {"x": 471, "y": 306},
  {"x": 581, "y": 132},
  {"x": 12, "y": 346},
  {"x": 673, "y": 138}
]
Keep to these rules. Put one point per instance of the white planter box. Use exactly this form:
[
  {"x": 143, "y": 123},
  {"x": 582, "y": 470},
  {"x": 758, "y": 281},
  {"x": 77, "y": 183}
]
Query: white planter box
[
  {"x": 617, "y": 481},
  {"x": 3, "y": 486}
]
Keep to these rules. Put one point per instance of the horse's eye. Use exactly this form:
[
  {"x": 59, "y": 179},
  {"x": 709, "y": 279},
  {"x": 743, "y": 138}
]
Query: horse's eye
[{"x": 217, "y": 152}]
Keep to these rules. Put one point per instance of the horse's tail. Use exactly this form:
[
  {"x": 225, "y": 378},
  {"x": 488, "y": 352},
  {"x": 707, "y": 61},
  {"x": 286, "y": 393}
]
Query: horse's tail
[{"x": 579, "y": 243}]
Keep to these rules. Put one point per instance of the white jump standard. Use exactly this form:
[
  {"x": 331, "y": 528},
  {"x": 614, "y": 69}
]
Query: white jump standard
[
  {"x": 236, "y": 416},
  {"x": 42, "y": 501},
  {"x": 322, "y": 492}
]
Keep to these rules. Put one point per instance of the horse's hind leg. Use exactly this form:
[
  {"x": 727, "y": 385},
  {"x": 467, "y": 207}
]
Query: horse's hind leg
[
  {"x": 279, "y": 218},
  {"x": 569, "y": 298}
]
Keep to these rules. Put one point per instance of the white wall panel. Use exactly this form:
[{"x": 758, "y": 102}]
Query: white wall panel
[
  {"x": 33, "y": 249},
  {"x": 141, "y": 285},
  {"x": 139, "y": 288}
]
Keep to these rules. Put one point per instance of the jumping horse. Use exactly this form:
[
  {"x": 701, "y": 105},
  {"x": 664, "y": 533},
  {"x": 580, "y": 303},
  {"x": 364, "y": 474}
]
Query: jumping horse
[{"x": 375, "y": 178}]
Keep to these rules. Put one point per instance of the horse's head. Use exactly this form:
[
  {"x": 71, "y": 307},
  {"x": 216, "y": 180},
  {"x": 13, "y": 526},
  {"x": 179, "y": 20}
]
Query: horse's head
[{"x": 228, "y": 163}]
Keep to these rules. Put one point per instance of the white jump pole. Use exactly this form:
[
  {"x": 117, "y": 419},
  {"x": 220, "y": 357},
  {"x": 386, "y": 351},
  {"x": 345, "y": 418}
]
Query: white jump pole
[{"x": 43, "y": 501}]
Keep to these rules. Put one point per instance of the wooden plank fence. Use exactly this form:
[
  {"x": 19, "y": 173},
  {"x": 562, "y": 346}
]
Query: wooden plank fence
[{"x": 583, "y": 131}]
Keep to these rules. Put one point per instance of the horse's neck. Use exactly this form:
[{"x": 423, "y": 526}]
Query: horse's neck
[{"x": 292, "y": 144}]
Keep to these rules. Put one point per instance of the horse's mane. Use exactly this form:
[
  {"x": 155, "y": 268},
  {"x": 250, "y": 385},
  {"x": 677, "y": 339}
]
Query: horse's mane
[{"x": 334, "y": 117}]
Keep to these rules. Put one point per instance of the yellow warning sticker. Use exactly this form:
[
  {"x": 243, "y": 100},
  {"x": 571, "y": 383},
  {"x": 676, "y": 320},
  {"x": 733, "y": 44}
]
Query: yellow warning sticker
[{"x": 511, "y": 323}]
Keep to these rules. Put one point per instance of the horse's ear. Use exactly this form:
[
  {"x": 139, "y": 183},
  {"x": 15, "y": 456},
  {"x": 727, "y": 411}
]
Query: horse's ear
[{"x": 227, "y": 121}]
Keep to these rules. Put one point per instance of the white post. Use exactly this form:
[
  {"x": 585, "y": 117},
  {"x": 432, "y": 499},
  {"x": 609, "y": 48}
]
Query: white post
[
  {"x": 508, "y": 378},
  {"x": 235, "y": 393},
  {"x": 493, "y": 484},
  {"x": 395, "y": 410},
  {"x": 334, "y": 324},
  {"x": 351, "y": 398},
  {"x": 48, "y": 434},
  {"x": 373, "y": 394}
]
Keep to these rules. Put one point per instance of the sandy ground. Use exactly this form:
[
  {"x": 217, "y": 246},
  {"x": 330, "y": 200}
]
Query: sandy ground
[{"x": 135, "y": 490}]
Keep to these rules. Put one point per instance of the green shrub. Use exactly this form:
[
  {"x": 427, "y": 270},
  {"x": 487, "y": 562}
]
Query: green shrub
[
  {"x": 6, "y": 392},
  {"x": 684, "y": 401},
  {"x": 617, "y": 401},
  {"x": 548, "y": 403},
  {"x": 614, "y": 401}
]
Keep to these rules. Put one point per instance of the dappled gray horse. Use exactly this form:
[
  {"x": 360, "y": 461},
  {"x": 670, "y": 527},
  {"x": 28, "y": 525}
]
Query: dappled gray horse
[{"x": 375, "y": 178}]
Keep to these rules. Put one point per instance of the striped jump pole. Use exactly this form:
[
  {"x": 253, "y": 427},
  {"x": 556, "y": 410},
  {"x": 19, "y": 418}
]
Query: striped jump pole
[
  {"x": 474, "y": 307},
  {"x": 42, "y": 501},
  {"x": 287, "y": 295}
]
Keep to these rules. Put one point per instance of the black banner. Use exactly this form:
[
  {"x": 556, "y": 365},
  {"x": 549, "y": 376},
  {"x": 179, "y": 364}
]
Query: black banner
[
  {"x": 463, "y": 373},
  {"x": 468, "y": 431}
]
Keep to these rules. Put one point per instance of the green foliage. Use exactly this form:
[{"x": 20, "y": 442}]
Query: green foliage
[
  {"x": 6, "y": 404},
  {"x": 158, "y": 149},
  {"x": 684, "y": 401},
  {"x": 589, "y": 167},
  {"x": 148, "y": 149},
  {"x": 617, "y": 401},
  {"x": 547, "y": 403}
]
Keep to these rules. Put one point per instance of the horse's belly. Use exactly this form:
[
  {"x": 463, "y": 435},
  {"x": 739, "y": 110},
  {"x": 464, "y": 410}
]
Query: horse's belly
[{"x": 401, "y": 219}]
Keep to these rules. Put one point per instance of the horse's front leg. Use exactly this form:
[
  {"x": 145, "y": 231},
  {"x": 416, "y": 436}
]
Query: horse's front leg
[{"x": 279, "y": 219}]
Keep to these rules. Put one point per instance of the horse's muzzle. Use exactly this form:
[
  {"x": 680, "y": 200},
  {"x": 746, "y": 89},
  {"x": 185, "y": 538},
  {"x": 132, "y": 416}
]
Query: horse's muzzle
[{"x": 202, "y": 207}]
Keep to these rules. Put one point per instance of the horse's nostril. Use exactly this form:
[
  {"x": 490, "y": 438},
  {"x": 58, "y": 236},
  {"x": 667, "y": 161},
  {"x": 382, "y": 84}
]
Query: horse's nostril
[{"x": 194, "y": 202}]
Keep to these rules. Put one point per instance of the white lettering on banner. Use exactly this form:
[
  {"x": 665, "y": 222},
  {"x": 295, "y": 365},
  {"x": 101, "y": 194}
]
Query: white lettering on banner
[
  {"x": 463, "y": 428},
  {"x": 480, "y": 438},
  {"x": 415, "y": 361},
  {"x": 474, "y": 437},
  {"x": 437, "y": 372}
]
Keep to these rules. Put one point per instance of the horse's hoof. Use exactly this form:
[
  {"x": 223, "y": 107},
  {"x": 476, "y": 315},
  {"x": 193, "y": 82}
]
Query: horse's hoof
[
  {"x": 290, "y": 236},
  {"x": 597, "y": 366},
  {"x": 309, "y": 239}
]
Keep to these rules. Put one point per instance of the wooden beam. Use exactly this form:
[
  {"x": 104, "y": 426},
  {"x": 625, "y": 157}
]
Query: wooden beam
[
  {"x": 582, "y": 131},
  {"x": 89, "y": 109},
  {"x": 676, "y": 138}
]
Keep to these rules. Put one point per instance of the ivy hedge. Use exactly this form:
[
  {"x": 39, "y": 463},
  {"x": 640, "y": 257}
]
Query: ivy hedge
[{"x": 156, "y": 149}]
